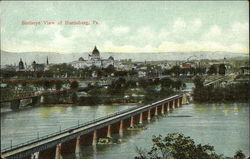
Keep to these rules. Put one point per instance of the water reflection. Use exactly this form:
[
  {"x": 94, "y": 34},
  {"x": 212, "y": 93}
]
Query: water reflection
[
  {"x": 215, "y": 124},
  {"x": 217, "y": 108},
  {"x": 24, "y": 124},
  {"x": 207, "y": 124},
  {"x": 48, "y": 112}
]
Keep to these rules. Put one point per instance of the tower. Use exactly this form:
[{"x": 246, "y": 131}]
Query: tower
[
  {"x": 47, "y": 62},
  {"x": 21, "y": 65}
]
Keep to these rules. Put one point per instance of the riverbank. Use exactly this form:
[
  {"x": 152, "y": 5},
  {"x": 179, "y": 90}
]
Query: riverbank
[
  {"x": 235, "y": 92},
  {"x": 71, "y": 104}
]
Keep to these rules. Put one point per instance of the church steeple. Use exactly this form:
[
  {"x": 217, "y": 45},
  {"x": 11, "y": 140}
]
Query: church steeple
[
  {"x": 47, "y": 62},
  {"x": 21, "y": 65}
]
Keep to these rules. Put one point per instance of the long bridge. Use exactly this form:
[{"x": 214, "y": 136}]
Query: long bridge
[
  {"x": 33, "y": 80},
  {"x": 217, "y": 82},
  {"x": 36, "y": 97},
  {"x": 68, "y": 141}
]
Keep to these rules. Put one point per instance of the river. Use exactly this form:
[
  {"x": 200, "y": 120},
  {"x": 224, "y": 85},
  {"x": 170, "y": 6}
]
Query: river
[{"x": 224, "y": 126}]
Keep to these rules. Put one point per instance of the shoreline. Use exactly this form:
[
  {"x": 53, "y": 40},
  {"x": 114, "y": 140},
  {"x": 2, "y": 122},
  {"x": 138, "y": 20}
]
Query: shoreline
[{"x": 71, "y": 104}]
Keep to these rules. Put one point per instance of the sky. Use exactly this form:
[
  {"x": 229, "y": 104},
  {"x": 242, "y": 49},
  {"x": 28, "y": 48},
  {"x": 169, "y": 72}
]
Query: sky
[{"x": 125, "y": 26}]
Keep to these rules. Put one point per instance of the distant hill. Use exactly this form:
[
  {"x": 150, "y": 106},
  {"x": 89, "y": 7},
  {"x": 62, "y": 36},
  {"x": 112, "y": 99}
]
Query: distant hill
[{"x": 40, "y": 57}]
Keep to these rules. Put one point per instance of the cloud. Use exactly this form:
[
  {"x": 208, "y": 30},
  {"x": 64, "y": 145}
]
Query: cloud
[
  {"x": 179, "y": 36},
  {"x": 239, "y": 32},
  {"x": 195, "y": 25},
  {"x": 214, "y": 32},
  {"x": 179, "y": 26},
  {"x": 108, "y": 46},
  {"x": 120, "y": 30}
]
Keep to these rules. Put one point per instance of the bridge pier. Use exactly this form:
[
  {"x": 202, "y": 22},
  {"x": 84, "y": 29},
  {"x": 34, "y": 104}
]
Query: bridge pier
[
  {"x": 156, "y": 111},
  {"x": 141, "y": 118},
  {"x": 173, "y": 104},
  {"x": 178, "y": 103},
  {"x": 14, "y": 105},
  {"x": 42, "y": 99},
  {"x": 94, "y": 141},
  {"x": 184, "y": 99},
  {"x": 131, "y": 121},
  {"x": 58, "y": 151},
  {"x": 149, "y": 115},
  {"x": 168, "y": 106},
  {"x": 77, "y": 150},
  {"x": 162, "y": 109},
  {"x": 109, "y": 131},
  {"x": 121, "y": 128},
  {"x": 36, "y": 101}
]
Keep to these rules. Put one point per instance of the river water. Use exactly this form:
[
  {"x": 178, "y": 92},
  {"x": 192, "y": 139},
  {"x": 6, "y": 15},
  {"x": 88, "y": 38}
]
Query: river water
[{"x": 224, "y": 126}]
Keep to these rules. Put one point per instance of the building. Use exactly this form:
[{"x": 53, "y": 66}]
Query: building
[
  {"x": 94, "y": 59},
  {"x": 187, "y": 65},
  {"x": 21, "y": 66},
  {"x": 33, "y": 67},
  {"x": 37, "y": 67}
]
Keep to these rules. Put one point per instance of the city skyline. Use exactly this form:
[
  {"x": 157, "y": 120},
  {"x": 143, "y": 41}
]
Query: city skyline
[{"x": 129, "y": 27}]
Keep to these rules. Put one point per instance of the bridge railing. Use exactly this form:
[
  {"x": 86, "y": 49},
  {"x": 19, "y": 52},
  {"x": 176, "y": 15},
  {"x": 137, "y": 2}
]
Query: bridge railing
[
  {"x": 211, "y": 82},
  {"x": 65, "y": 130},
  {"x": 11, "y": 148}
]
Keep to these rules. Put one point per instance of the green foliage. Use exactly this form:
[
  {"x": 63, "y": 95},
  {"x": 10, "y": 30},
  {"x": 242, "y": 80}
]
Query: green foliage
[
  {"x": 234, "y": 92},
  {"x": 58, "y": 85},
  {"x": 177, "y": 146},
  {"x": 47, "y": 84},
  {"x": 91, "y": 100},
  {"x": 74, "y": 85},
  {"x": 222, "y": 69},
  {"x": 212, "y": 70},
  {"x": 198, "y": 82},
  {"x": 74, "y": 98},
  {"x": 239, "y": 155},
  {"x": 121, "y": 73},
  {"x": 61, "y": 69},
  {"x": 177, "y": 84},
  {"x": 176, "y": 70}
]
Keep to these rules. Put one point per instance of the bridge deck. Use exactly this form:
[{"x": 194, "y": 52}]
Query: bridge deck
[
  {"x": 85, "y": 127},
  {"x": 26, "y": 96}
]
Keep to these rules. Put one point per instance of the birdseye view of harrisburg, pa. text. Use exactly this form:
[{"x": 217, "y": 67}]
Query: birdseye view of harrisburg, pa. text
[{"x": 125, "y": 80}]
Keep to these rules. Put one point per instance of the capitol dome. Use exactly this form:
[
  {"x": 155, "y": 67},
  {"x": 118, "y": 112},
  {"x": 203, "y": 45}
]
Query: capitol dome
[{"x": 95, "y": 52}]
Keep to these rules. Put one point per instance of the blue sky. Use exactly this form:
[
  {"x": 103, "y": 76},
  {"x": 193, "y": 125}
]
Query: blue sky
[{"x": 139, "y": 26}]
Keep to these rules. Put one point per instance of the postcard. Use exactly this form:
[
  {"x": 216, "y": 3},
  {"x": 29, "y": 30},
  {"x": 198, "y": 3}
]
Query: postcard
[{"x": 125, "y": 79}]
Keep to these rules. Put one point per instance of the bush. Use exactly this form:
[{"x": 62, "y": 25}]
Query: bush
[{"x": 178, "y": 146}]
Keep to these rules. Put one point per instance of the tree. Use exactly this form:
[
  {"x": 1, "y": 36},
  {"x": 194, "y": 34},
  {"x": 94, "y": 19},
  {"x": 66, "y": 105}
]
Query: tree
[
  {"x": 74, "y": 98},
  {"x": 74, "y": 85},
  {"x": 198, "y": 82},
  {"x": 239, "y": 155},
  {"x": 59, "y": 85},
  {"x": 47, "y": 84},
  {"x": 222, "y": 69},
  {"x": 212, "y": 70},
  {"x": 177, "y": 84},
  {"x": 177, "y": 146},
  {"x": 110, "y": 69},
  {"x": 166, "y": 82},
  {"x": 176, "y": 70}
]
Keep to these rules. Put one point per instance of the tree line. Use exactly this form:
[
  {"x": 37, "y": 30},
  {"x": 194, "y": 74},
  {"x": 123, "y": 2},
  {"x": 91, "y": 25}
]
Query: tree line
[{"x": 234, "y": 92}]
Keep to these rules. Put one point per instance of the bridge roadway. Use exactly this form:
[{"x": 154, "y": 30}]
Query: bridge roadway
[
  {"x": 217, "y": 81},
  {"x": 51, "y": 80},
  {"x": 27, "y": 149},
  {"x": 32, "y": 95}
]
